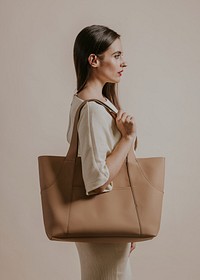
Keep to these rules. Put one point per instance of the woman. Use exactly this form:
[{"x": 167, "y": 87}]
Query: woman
[{"x": 103, "y": 141}]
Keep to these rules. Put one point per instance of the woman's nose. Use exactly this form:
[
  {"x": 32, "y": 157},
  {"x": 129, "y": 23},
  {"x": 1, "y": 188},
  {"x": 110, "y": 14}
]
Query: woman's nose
[{"x": 124, "y": 64}]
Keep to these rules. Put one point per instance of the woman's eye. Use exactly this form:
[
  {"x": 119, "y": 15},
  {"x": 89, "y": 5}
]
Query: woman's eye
[{"x": 117, "y": 56}]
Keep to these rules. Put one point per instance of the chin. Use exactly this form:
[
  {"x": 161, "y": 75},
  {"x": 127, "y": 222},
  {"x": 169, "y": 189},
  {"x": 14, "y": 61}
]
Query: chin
[{"x": 114, "y": 81}]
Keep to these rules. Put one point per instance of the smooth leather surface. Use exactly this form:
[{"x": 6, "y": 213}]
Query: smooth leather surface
[{"x": 130, "y": 212}]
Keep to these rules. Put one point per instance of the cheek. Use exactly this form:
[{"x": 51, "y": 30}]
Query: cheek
[{"x": 111, "y": 66}]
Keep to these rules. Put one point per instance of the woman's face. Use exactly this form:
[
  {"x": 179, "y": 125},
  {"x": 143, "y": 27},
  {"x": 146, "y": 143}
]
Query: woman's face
[{"x": 111, "y": 63}]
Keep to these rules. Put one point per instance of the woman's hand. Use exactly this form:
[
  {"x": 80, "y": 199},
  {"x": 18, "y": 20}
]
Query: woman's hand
[{"x": 126, "y": 125}]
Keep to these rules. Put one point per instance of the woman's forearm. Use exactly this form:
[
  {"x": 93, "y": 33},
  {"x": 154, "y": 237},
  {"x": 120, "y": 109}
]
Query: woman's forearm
[
  {"x": 115, "y": 160},
  {"x": 126, "y": 125}
]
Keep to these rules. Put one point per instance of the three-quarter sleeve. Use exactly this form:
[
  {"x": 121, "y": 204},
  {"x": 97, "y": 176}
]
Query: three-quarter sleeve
[{"x": 93, "y": 145}]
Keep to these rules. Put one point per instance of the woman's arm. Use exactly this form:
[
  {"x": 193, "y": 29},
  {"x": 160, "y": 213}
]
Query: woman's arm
[{"x": 114, "y": 161}]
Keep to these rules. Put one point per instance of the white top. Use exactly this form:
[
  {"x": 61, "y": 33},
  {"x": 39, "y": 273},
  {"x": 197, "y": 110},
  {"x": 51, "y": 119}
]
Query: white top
[{"x": 98, "y": 135}]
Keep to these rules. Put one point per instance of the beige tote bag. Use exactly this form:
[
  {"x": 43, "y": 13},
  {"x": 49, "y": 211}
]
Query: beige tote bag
[{"x": 131, "y": 212}]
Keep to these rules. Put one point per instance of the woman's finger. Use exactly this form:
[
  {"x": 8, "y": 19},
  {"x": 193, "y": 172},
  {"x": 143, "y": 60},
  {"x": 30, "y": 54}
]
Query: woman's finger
[
  {"x": 124, "y": 116},
  {"x": 119, "y": 114},
  {"x": 129, "y": 119}
]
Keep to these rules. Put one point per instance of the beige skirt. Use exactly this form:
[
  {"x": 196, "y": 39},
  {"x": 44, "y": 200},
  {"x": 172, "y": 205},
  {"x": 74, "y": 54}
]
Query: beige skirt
[{"x": 104, "y": 261}]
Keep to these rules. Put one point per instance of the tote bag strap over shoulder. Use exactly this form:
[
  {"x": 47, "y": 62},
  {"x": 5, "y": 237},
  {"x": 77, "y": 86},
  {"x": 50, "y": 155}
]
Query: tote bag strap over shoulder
[{"x": 73, "y": 149}]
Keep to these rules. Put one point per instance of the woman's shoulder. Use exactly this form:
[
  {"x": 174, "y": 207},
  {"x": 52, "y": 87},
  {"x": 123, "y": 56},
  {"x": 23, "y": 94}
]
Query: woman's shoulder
[{"x": 94, "y": 107}]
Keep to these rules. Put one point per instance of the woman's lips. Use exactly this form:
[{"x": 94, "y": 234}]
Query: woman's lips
[{"x": 120, "y": 72}]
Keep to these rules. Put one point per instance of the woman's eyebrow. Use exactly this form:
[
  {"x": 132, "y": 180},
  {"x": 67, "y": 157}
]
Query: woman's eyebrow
[{"x": 117, "y": 52}]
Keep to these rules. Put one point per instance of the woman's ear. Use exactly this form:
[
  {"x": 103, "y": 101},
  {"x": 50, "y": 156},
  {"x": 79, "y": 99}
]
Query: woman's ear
[{"x": 93, "y": 60}]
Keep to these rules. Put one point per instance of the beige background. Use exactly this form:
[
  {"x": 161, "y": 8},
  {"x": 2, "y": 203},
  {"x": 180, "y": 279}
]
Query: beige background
[{"x": 160, "y": 87}]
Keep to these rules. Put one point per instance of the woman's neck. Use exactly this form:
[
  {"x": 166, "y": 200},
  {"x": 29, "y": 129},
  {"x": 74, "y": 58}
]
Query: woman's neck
[{"x": 92, "y": 89}]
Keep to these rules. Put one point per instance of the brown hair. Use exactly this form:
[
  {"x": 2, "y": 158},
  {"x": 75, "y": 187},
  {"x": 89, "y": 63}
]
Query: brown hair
[{"x": 94, "y": 39}]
